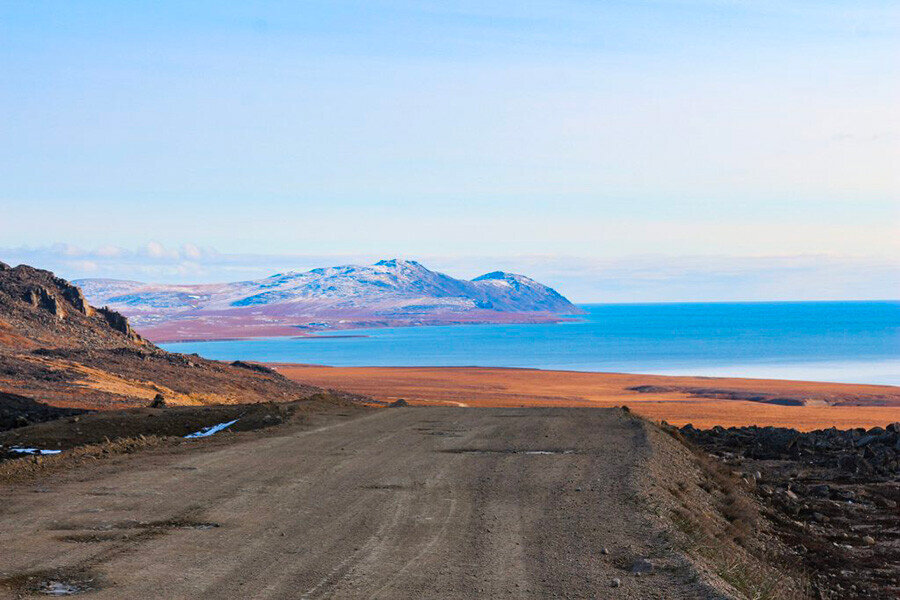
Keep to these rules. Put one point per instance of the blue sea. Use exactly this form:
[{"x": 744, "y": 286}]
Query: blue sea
[{"x": 854, "y": 342}]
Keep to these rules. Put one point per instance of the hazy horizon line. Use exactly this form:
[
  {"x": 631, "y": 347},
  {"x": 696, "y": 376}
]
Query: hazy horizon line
[{"x": 583, "y": 279}]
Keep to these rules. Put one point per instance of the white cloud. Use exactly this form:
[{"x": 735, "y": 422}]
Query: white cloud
[
  {"x": 67, "y": 250},
  {"x": 157, "y": 250},
  {"x": 110, "y": 251},
  {"x": 191, "y": 251}
]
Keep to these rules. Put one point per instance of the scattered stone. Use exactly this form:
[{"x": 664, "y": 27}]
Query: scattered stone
[
  {"x": 604, "y": 550},
  {"x": 866, "y": 440},
  {"x": 642, "y": 565},
  {"x": 830, "y": 488},
  {"x": 822, "y": 490},
  {"x": 885, "y": 502},
  {"x": 846, "y": 495},
  {"x": 616, "y": 582}
]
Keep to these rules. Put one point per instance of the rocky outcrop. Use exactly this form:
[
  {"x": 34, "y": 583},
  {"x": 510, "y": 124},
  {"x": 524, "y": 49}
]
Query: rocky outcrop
[
  {"x": 855, "y": 452},
  {"x": 76, "y": 298},
  {"x": 28, "y": 296},
  {"x": 119, "y": 323},
  {"x": 254, "y": 367},
  {"x": 41, "y": 297},
  {"x": 55, "y": 347},
  {"x": 832, "y": 495}
]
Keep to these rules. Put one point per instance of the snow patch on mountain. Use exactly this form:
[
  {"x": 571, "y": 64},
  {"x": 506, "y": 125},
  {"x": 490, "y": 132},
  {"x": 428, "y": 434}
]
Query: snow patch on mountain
[{"x": 387, "y": 288}]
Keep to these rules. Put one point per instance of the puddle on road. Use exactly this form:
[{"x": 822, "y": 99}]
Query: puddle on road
[
  {"x": 61, "y": 588},
  {"x": 201, "y": 526},
  {"x": 67, "y": 581},
  {"x": 154, "y": 526},
  {"x": 93, "y": 538}
]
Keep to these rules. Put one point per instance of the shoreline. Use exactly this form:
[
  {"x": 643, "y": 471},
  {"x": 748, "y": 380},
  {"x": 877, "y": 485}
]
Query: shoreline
[
  {"x": 677, "y": 399},
  {"x": 240, "y": 328}
]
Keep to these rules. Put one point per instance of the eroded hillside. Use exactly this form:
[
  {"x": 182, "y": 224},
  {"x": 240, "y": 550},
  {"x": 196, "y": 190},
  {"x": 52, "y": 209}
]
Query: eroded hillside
[{"x": 57, "y": 348}]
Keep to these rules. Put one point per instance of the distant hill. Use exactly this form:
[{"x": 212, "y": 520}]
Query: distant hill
[
  {"x": 388, "y": 293},
  {"x": 56, "y": 348}
]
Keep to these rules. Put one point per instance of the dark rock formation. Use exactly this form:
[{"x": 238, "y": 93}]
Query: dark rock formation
[
  {"x": 76, "y": 298},
  {"x": 253, "y": 367},
  {"x": 118, "y": 322},
  {"x": 41, "y": 297},
  {"x": 870, "y": 453},
  {"x": 20, "y": 411},
  {"x": 831, "y": 495}
]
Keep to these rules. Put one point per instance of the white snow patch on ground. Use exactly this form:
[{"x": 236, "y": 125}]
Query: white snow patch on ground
[
  {"x": 33, "y": 451},
  {"x": 207, "y": 431}
]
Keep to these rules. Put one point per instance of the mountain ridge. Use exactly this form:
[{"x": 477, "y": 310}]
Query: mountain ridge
[{"x": 388, "y": 292}]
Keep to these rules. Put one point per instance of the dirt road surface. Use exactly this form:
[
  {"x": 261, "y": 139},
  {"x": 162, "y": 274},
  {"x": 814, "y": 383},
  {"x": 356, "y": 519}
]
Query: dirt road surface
[{"x": 398, "y": 503}]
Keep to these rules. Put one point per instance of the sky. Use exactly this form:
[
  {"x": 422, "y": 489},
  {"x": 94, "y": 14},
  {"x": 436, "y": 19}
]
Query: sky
[{"x": 622, "y": 151}]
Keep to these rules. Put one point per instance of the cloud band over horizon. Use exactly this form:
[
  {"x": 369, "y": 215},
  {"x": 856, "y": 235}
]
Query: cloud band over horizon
[{"x": 636, "y": 278}]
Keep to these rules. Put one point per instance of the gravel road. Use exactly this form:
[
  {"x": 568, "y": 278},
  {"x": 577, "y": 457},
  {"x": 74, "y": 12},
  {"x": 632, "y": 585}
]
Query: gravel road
[{"x": 397, "y": 503}]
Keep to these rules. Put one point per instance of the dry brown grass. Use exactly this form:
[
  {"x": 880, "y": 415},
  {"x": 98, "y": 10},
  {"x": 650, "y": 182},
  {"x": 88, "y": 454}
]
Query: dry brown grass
[
  {"x": 104, "y": 381},
  {"x": 474, "y": 387}
]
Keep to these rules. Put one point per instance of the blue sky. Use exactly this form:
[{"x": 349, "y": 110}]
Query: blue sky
[{"x": 474, "y": 133}]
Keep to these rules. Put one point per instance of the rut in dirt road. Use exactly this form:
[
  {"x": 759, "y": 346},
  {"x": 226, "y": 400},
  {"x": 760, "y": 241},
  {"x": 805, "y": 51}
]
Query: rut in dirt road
[{"x": 402, "y": 503}]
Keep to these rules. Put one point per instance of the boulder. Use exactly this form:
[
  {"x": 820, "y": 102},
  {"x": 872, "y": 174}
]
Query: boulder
[
  {"x": 118, "y": 322},
  {"x": 76, "y": 298},
  {"x": 866, "y": 440},
  {"x": 158, "y": 402},
  {"x": 823, "y": 490}
]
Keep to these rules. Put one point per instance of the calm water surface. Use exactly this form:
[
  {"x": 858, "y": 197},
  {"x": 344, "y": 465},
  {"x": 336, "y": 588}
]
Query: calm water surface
[{"x": 825, "y": 341}]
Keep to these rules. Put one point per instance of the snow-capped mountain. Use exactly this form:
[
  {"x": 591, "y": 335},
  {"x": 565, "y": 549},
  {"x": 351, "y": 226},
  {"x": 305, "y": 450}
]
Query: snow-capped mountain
[{"x": 390, "y": 292}]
